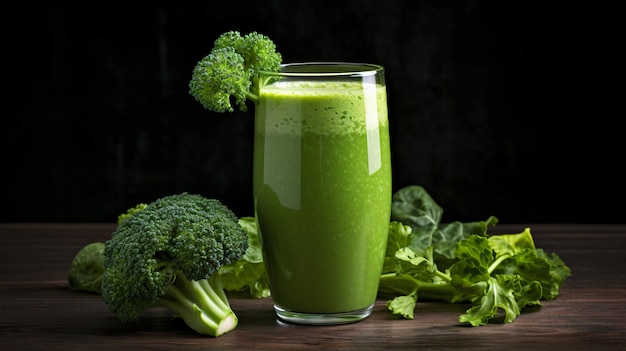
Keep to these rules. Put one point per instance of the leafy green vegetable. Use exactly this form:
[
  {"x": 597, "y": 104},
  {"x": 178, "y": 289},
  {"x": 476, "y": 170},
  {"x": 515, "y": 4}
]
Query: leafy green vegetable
[
  {"x": 460, "y": 262},
  {"x": 87, "y": 267},
  {"x": 169, "y": 254},
  {"x": 231, "y": 70},
  {"x": 88, "y": 264},
  {"x": 414, "y": 207},
  {"x": 247, "y": 273},
  {"x": 425, "y": 259}
]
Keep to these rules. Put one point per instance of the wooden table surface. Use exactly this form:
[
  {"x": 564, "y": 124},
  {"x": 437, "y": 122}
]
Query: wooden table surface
[{"x": 39, "y": 312}]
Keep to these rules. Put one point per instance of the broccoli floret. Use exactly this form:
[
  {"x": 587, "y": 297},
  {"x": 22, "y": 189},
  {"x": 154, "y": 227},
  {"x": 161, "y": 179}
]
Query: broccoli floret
[
  {"x": 231, "y": 70},
  {"x": 131, "y": 211},
  {"x": 88, "y": 264},
  {"x": 169, "y": 254},
  {"x": 87, "y": 267}
]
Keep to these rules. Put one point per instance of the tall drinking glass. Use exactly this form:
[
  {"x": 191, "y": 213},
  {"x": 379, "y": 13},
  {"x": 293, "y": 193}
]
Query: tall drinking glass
[{"x": 322, "y": 188}]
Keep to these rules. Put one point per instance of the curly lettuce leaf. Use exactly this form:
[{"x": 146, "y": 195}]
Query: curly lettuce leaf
[
  {"x": 498, "y": 295},
  {"x": 403, "y": 305},
  {"x": 559, "y": 271},
  {"x": 511, "y": 244},
  {"x": 399, "y": 237},
  {"x": 460, "y": 262}
]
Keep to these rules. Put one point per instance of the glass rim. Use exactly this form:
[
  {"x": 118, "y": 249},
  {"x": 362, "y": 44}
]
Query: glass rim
[{"x": 343, "y": 69}]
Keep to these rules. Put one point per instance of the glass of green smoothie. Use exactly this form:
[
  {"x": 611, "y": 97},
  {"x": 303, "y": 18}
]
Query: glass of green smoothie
[{"x": 322, "y": 188}]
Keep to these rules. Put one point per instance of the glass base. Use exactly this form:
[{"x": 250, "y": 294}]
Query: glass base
[{"x": 323, "y": 318}]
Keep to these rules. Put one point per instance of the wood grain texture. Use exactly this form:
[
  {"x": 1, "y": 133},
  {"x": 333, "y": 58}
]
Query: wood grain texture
[{"x": 39, "y": 312}]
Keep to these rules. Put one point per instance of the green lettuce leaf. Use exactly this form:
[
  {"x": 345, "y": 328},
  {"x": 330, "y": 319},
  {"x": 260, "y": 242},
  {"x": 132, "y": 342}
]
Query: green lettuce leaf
[
  {"x": 247, "y": 273},
  {"x": 498, "y": 295},
  {"x": 461, "y": 262}
]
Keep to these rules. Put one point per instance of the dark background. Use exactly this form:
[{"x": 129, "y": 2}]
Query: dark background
[{"x": 496, "y": 107}]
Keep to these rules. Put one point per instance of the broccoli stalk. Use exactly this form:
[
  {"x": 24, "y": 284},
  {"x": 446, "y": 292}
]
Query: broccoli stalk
[
  {"x": 202, "y": 304},
  {"x": 168, "y": 254},
  {"x": 231, "y": 71}
]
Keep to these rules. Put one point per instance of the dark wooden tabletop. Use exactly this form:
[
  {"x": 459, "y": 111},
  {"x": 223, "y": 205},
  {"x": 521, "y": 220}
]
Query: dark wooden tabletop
[{"x": 39, "y": 312}]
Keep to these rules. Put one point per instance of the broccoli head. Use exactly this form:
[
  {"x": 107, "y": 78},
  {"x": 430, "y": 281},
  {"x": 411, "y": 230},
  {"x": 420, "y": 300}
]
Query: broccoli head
[
  {"x": 169, "y": 254},
  {"x": 231, "y": 70}
]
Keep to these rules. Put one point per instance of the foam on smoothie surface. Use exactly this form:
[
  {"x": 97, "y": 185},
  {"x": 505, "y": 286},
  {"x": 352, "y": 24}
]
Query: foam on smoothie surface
[{"x": 323, "y": 107}]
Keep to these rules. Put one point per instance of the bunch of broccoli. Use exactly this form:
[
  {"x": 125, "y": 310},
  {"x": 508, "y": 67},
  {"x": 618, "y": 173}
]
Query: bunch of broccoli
[
  {"x": 231, "y": 70},
  {"x": 168, "y": 253}
]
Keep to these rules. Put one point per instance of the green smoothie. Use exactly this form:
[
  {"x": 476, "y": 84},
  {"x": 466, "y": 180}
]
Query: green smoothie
[{"x": 322, "y": 192}]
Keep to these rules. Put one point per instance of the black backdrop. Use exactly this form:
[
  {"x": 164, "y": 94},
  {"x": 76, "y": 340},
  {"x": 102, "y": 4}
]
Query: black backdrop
[{"x": 496, "y": 109}]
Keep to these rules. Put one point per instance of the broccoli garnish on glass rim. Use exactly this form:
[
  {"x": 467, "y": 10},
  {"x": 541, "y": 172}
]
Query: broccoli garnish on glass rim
[
  {"x": 168, "y": 254},
  {"x": 230, "y": 72}
]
